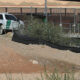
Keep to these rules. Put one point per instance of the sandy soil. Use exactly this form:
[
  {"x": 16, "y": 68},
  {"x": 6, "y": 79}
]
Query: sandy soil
[
  {"x": 17, "y": 58},
  {"x": 22, "y": 54},
  {"x": 43, "y": 51},
  {"x": 12, "y": 62},
  {"x": 20, "y": 76}
]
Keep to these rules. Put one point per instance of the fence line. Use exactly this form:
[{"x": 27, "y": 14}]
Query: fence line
[
  {"x": 68, "y": 19},
  {"x": 40, "y": 10}
]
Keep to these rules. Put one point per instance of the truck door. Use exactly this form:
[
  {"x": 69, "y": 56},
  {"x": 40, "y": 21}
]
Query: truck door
[{"x": 11, "y": 21}]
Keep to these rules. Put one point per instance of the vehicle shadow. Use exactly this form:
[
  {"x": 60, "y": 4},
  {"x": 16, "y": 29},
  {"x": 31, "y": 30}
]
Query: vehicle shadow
[{"x": 24, "y": 39}]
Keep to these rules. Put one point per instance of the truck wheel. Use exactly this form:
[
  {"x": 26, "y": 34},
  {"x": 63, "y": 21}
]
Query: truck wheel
[{"x": 1, "y": 30}]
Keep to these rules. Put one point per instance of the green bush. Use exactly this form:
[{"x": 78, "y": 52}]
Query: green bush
[
  {"x": 35, "y": 29},
  {"x": 46, "y": 31}
]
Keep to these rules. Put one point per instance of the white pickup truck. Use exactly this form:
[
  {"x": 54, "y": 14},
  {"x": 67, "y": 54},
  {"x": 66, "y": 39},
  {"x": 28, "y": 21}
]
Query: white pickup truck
[{"x": 9, "y": 22}]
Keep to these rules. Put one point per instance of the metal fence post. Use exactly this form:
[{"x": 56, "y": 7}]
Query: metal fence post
[
  {"x": 6, "y": 9},
  {"x": 61, "y": 21},
  {"x": 50, "y": 10},
  {"x": 70, "y": 28},
  {"x": 78, "y": 28},
  {"x": 74, "y": 25},
  {"x": 21, "y": 10},
  {"x": 31, "y": 16},
  {"x": 35, "y": 10},
  {"x": 65, "y": 11}
]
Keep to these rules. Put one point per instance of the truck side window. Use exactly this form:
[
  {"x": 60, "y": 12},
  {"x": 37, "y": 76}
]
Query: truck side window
[
  {"x": 1, "y": 17},
  {"x": 10, "y": 17}
]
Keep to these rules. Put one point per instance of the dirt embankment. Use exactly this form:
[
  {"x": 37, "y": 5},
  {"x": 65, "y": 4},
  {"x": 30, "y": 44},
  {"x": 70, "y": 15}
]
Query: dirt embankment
[
  {"x": 18, "y": 57},
  {"x": 12, "y": 62}
]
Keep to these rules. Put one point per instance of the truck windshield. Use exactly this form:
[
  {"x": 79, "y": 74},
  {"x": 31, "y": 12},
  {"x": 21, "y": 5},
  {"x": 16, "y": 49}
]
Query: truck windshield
[{"x": 10, "y": 17}]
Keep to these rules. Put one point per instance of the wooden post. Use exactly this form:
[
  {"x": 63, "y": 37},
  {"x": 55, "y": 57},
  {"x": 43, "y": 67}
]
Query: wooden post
[{"x": 6, "y": 9}]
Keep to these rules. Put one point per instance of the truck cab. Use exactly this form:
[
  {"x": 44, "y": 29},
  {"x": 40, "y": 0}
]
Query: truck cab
[{"x": 9, "y": 22}]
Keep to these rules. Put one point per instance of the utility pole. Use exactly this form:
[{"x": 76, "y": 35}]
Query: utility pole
[{"x": 46, "y": 16}]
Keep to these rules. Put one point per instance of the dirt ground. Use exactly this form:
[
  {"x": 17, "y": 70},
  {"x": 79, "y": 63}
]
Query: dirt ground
[
  {"x": 21, "y": 58},
  {"x": 12, "y": 62}
]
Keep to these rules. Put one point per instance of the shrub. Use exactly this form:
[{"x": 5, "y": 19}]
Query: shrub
[
  {"x": 57, "y": 76},
  {"x": 37, "y": 29}
]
